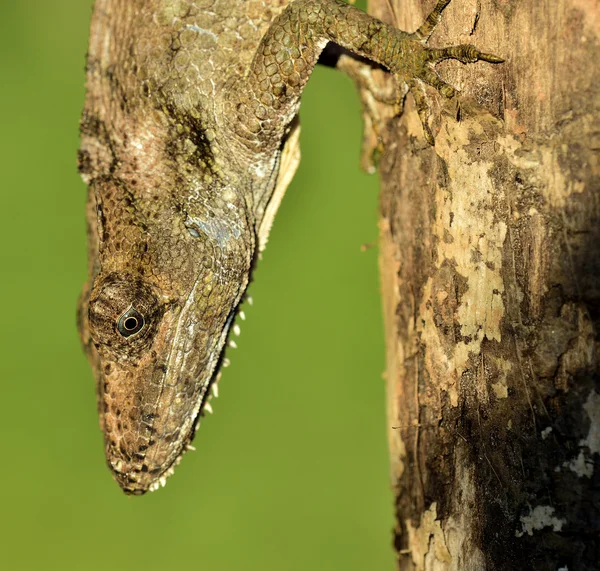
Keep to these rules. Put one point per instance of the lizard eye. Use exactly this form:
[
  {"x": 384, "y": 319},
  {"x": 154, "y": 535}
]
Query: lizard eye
[{"x": 130, "y": 322}]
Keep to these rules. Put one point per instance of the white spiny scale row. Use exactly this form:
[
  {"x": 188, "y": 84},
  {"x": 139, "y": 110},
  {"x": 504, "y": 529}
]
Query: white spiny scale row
[
  {"x": 162, "y": 481},
  {"x": 236, "y": 328},
  {"x": 214, "y": 392}
]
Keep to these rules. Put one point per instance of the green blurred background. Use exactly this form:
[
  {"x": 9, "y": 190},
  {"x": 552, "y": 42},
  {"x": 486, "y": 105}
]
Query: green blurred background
[{"x": 291, "y": 472}]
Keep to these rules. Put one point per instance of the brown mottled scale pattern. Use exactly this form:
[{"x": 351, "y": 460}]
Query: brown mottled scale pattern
[{"x": 189, "y": 113}]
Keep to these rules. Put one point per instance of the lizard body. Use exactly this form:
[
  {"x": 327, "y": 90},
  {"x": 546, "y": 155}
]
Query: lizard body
[{"x": 189, "y": 138}]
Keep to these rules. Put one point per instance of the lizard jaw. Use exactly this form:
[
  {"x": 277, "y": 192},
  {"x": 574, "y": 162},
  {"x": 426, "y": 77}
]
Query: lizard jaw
[{"x": 131, "y": 476}]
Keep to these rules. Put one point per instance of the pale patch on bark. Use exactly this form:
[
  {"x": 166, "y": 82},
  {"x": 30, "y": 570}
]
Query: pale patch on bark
[
  {"x": 592, "y": 407},
  {"x": 582, "y": 464},
  {"x": 427, "y": 542},
  {"x": 451, "y": 547},
  {"x": 474, "y": 241},
  {"x": 539, "y": 518},
  {"x": 500, "y": 390},
  {"x": 583, "y": 467},
  {"x": 411, "y": 121},
  {"x": 395, "y": 354}
]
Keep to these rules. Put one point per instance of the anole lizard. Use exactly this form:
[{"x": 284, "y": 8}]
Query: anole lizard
[{"x": 189, "y": 139}]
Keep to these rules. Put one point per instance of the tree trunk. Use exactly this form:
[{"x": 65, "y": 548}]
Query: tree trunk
[{"x": 490, "y": 262}]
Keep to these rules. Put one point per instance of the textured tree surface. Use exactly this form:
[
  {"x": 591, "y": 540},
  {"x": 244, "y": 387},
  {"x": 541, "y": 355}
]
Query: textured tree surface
[{"x": 491, "y": 282}]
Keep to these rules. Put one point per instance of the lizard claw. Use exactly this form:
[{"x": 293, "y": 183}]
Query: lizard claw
[
  {"x": 465, "y": 53},
  {"x": 421, "y": 70},
  {"x": 491, "y": 58}
]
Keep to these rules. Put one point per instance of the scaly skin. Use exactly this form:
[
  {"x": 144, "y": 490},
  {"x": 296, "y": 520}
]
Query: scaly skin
[{"x": 188, "y": 141}]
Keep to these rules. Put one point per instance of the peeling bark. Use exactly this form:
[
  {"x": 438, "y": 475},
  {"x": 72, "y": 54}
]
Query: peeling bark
[{"x": 490, "y": 262}]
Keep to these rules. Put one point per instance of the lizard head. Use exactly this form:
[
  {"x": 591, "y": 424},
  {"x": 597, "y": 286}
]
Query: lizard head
[{"x": 166, "y": 282}]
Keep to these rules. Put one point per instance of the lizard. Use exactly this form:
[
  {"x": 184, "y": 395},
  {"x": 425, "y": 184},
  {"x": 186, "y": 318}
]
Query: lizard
[{"x": 189, "y": 138}]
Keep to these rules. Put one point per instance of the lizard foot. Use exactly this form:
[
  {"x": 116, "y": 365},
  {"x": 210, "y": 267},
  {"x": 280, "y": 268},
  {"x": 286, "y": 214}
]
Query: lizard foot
[{"x": 413, "y": 72}]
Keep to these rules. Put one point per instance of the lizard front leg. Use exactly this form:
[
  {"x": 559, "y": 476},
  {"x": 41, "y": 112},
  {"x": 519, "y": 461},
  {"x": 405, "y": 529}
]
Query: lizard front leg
[{"x": 263, "y": 108}]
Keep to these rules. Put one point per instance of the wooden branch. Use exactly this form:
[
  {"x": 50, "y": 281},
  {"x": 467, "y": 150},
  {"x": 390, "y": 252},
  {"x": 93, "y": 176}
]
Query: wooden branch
[{"x": 490, "y": 262}]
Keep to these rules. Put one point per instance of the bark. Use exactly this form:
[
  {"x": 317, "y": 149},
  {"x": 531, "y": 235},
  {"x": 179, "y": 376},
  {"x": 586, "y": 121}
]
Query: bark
[{"x": 490, "y": 263}]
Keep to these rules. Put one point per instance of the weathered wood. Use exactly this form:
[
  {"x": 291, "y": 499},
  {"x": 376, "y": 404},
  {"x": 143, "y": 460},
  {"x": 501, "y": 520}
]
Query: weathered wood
[{"x": 490, "y": 267}]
